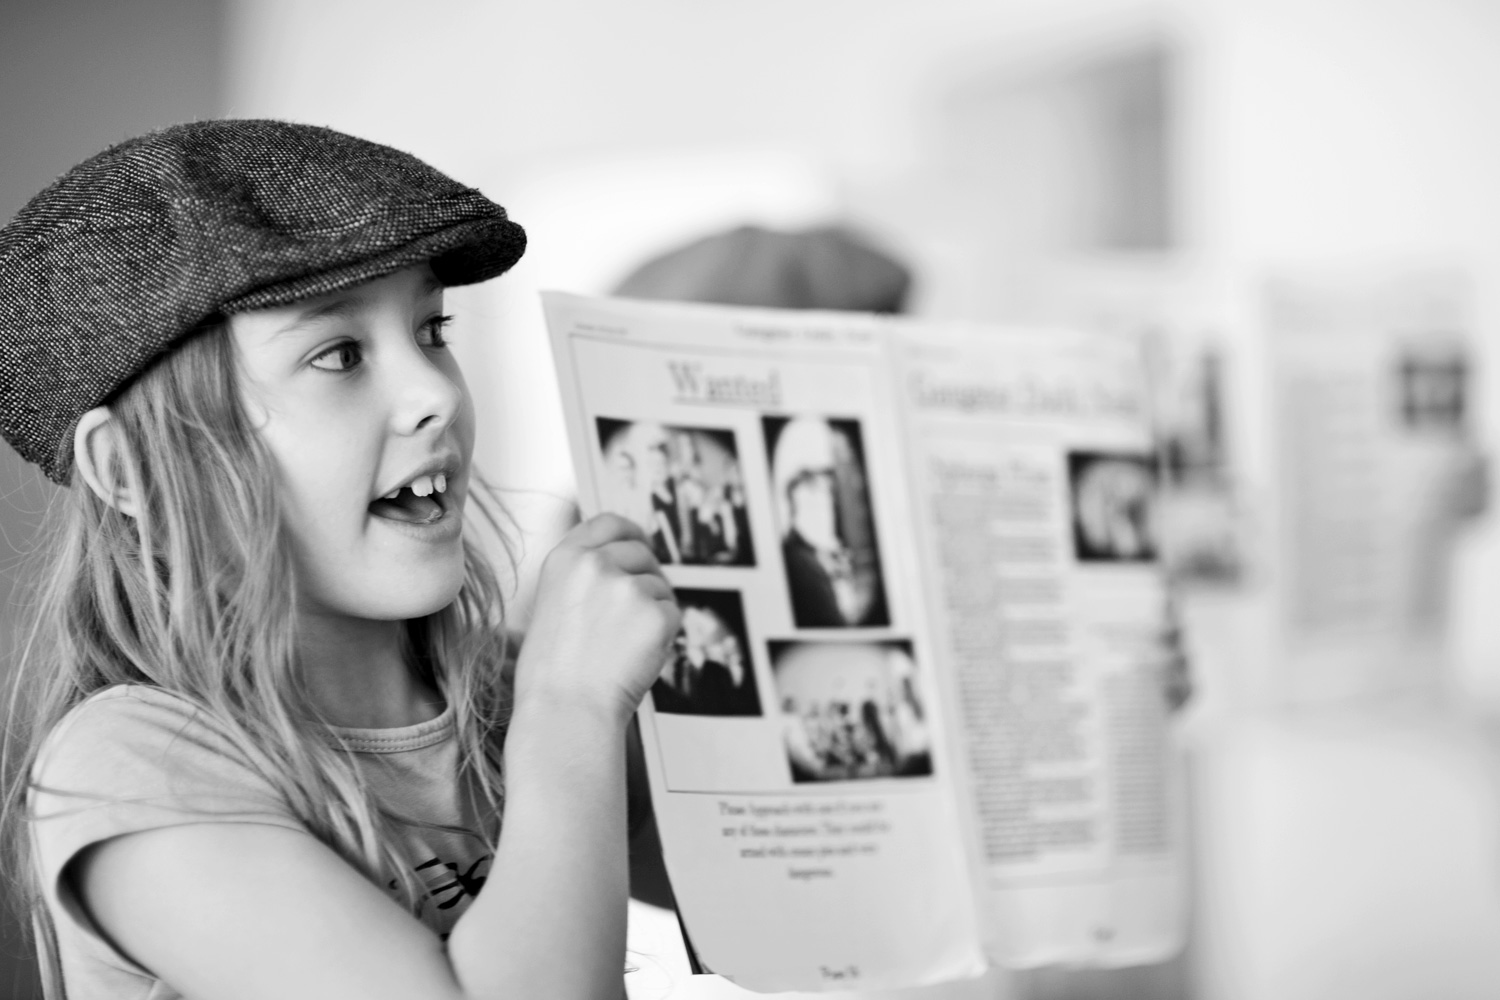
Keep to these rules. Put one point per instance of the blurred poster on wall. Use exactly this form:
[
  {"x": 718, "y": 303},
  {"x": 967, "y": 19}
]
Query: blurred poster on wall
[
  {"x": 915, "y": 716},
  {"x": 1370, "y": 377}
]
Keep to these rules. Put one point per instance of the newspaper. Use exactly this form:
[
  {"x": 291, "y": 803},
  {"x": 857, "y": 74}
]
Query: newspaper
[
  {"x": 1370, "y": 379},
  {"x": 1031, "y": 457},
  {"x": 913, "y": 723}
]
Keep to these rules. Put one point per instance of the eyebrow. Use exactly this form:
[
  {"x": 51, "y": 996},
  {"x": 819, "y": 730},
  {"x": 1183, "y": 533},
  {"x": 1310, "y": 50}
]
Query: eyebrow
[
  {"x": 340, "y": 307},
  {"x": 348, "y": 304}
]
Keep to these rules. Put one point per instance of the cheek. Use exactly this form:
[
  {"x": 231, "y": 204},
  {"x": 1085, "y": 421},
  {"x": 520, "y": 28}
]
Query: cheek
[
  {"x": 323, "y": 486},
  {"x": 464, "y": 428},
  {"x": 463, "y": 423},
  {"x": 317, "y": 480}
]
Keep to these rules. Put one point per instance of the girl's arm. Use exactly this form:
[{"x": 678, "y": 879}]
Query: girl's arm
[{"x": 226, "y": 912}]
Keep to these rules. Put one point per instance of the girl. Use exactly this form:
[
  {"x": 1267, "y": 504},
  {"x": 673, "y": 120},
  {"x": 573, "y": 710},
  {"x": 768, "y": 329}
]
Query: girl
[{"x": 270, "y": 735}]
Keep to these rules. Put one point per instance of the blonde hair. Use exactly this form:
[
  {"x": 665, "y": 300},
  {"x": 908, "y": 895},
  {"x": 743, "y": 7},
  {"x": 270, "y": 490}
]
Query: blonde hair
[{"x": 188, "y": 597}]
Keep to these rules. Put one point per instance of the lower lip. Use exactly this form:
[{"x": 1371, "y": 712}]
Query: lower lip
[{"x": 445, "y": 529}]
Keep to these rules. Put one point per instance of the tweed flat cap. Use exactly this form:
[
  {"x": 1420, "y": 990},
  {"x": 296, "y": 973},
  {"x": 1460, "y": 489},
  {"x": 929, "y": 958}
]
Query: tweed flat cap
[{"x": 134, "y": 248}]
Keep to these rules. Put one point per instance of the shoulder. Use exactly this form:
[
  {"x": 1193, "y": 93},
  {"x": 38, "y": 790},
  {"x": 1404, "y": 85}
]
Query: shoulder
[
  {"x": 133, "y": 758},
  {"x": 131, "y": 719},
  {"x": 137, "y": 747},
  {"x": 139, "y": 703}
]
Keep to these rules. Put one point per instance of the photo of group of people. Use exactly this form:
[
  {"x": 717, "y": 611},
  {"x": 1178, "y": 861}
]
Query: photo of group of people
[
  {"x": 848, "y": 710},
  {"x": 851, "y": 710},
  {"x": 708, "y": 671},
  {"x": 683, "y": 486}
]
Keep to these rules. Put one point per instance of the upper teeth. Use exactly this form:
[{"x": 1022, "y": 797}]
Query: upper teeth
[{"x": 423, "y": 486}]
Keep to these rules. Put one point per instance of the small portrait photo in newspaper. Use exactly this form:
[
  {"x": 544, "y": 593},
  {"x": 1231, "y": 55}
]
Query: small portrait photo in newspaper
[
  {"x": 708, "y": 671},
  {"x": 1432, "y": 389},
  {"x": 1113, "y": 506},
  {"x": 851, "y": 710},
  {"x": 822, "y": 499},
  {"x": 683, "y": 486}
]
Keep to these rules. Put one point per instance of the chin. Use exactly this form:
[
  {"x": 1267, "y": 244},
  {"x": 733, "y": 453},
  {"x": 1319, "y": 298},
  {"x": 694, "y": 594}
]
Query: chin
[
  {"x": 431, "y": 602},
  {"x": 409, "y": 610},
  {"x": 409, "y": 597}
]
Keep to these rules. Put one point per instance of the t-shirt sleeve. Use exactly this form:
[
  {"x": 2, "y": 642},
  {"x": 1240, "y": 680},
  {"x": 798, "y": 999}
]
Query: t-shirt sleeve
[{"x": 132, "y": 759}]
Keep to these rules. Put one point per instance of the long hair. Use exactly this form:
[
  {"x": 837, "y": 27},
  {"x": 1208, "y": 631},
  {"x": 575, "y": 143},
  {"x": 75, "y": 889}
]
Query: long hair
[{"x": 196, "y": 595}]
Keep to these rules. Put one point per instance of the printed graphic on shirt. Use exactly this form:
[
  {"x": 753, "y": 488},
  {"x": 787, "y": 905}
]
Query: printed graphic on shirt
[
  {"x": 449, "y": 884},
  {"x": 453, "y": 881}
]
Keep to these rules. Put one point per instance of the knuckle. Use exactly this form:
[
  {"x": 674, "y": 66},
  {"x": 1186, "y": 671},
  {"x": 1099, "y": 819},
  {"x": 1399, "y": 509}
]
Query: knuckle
[
  {"x": 599, "y": 567},
  {"x": 557, "y": 565},
  {"x": 609, "y": 525},
  {"x": 638, "y": 588},
  {"x": 666, "y": 613}
]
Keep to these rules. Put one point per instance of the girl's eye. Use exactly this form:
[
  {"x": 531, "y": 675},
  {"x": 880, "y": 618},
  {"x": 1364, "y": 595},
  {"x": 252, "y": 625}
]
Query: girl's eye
[
  {"x": 431, "y": 332},
  {"x": 340, "y": 357}
]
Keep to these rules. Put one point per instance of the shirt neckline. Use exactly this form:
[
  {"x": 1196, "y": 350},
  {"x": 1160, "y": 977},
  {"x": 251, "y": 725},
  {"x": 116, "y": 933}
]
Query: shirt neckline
[{"x": 394, "y": 740}]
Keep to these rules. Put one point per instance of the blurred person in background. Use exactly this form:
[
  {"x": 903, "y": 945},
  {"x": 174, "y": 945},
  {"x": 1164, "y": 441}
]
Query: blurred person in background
[{"x": 829, "y": 267}]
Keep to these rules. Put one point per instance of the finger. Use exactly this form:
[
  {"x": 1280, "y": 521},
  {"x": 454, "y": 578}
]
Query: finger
[
  {"x": 632, "y": 556},
  {"x": 656, "y": 587},
  {"x": 605, "y": 528}
]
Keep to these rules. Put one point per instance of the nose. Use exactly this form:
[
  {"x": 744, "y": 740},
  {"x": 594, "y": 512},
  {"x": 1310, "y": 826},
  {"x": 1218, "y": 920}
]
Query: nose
[{"x": 429, "y": 396}]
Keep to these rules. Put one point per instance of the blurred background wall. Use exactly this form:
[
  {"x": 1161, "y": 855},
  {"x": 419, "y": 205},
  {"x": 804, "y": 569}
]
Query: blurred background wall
[
  {"x": 76, "y": 76},
  {"x": 1033, "y": 159},
  {"x": 1288, "y": 133}
]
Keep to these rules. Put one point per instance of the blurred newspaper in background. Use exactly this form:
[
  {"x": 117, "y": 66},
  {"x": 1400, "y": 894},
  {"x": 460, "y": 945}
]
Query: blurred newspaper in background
[{"x": 1375, "y": 456}]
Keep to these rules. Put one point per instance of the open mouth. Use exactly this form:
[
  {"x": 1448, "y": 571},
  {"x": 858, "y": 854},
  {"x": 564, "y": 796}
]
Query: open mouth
[{"x": 420, "y": 501}]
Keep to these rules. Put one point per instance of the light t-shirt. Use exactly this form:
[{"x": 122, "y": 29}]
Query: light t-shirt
[{"x": 134, "y": 758}]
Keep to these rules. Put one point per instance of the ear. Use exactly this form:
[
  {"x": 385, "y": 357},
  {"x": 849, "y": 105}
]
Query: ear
[{"x": 96, "y": 441}]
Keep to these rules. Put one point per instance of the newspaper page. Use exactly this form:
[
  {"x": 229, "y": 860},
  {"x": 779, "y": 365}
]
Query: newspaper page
[
  {"x": 1369, "y": 377},
  {"x": 1032, "y": 459},
  {"x": 795, "y": 740}
]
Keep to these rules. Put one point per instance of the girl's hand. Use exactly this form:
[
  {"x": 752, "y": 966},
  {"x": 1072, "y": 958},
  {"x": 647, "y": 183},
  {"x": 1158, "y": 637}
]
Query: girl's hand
[{"x": 603, "y": 619}]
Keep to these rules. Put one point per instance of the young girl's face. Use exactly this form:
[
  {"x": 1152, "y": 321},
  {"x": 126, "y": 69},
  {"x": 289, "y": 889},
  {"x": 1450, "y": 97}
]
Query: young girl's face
[{"x": 371, "y": 426}]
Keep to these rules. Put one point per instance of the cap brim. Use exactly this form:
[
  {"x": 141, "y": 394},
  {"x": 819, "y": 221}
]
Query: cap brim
[{"x": 462, "y": 254}]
